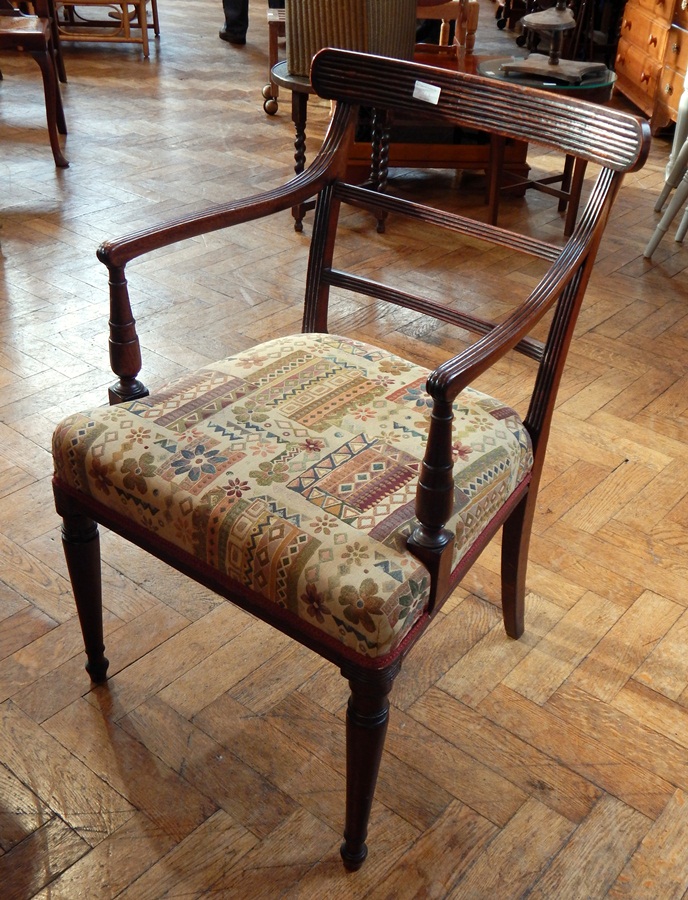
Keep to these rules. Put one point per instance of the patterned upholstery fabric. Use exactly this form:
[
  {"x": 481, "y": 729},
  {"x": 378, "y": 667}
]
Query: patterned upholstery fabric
[{"x": 292, "y": 468}]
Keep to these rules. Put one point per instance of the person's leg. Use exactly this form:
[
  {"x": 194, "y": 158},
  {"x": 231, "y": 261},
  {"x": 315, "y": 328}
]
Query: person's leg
[{"x": 236, "y": 21}]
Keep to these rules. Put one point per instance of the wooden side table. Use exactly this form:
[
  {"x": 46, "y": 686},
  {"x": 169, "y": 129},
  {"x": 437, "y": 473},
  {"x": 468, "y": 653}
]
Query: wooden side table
[
  {"x": 300, "y": 88},
  {"x": 595, "y": 90}
]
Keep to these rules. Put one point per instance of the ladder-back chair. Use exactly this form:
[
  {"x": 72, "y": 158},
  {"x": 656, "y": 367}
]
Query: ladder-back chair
[{"x": 332, "y": 488}]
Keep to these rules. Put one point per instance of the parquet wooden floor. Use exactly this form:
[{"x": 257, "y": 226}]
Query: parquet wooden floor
[{"x": 551, "y": 767}]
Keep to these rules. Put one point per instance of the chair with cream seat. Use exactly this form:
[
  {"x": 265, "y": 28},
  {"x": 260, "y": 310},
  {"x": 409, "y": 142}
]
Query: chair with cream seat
[{"x": 334, "y": 489}]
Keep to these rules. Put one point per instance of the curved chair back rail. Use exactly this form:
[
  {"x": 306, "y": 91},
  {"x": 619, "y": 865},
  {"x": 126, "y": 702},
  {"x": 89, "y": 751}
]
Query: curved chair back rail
[
  {"x": 597, "y": 134},
  {"x": 396, "y": 489}
]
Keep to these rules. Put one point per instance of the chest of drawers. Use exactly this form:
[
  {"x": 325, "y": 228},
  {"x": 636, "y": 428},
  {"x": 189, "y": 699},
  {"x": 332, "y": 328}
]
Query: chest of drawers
[{"x": 652, "y": 57}]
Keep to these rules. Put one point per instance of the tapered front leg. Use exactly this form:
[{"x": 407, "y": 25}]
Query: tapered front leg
[
  {"x": 53, "y": 105},
  {"x": 366, "y": 727},
  {"x": 515, "y": 544},
  {"x": 81, "y": 544}
]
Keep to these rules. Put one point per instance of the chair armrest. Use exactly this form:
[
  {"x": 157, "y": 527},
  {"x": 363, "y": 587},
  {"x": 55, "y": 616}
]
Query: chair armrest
[
  {"x": 124, "y": 345},
  {"x": 120, "y": 251},
  {"x": 447, "y": 381},
  {"x": 125, "y": 353},
  {"x": 329, "y": 162},
  {"x": 561, "y": 288}
]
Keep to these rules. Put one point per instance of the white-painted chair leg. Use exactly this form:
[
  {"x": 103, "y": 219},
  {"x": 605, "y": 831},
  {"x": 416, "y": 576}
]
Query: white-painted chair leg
[
  {"x": 682, "y": 228},
  {"x": 681, "y": 130},
  {"x": 676, "y": 204},
  {"x": 674, "y": 176}
]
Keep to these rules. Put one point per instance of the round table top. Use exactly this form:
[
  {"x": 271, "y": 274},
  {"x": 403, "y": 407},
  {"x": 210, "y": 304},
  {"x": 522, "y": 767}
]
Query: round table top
[
  {"x": 298, "y": 83},
  {"x": 597, "y": 87}
]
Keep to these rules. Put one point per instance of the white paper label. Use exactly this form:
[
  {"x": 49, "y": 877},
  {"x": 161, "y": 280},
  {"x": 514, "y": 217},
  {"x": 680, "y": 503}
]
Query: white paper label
[{"x": 428, "y": 92}]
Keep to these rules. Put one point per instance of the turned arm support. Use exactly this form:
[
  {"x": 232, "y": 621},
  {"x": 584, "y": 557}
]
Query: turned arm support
[
  {"x": 431, "y": 541},
  {"x": 329, "y": 162},
  {"x": 125, "y": 351}
]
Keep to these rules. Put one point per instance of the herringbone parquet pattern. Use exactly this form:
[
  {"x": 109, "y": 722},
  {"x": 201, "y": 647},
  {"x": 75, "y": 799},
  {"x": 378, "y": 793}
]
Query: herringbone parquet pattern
[{"x": 552, "y": 767}]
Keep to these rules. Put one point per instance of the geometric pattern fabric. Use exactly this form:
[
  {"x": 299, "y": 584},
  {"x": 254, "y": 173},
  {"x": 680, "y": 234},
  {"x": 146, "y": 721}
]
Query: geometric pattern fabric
[{"x": 292, "y": 468}]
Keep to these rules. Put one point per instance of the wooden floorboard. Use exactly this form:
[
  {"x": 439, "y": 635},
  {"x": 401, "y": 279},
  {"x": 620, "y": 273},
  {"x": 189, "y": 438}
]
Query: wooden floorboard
[{"x": 212, "y": 763}]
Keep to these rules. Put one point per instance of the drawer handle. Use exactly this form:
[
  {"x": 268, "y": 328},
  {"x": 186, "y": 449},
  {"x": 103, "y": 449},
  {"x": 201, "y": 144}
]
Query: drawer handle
[
  {"x": 675, "y": 49},
  {"x": 628, "y": 24},
  {"x": 644, "y": 77},
  {"x": 668, "y": 89},
  {"x": 652, "y": 41}
]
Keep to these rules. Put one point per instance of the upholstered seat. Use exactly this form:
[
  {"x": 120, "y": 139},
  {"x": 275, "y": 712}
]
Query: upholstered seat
[{"x": 293, "y": 468}]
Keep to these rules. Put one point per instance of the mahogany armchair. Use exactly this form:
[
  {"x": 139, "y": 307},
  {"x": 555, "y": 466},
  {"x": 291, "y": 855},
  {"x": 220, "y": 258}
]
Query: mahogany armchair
[{"x": 335, "y": 490}]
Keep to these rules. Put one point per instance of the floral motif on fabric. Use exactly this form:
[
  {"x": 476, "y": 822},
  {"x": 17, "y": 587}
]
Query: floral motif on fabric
[{"x": 292, "y": 469}]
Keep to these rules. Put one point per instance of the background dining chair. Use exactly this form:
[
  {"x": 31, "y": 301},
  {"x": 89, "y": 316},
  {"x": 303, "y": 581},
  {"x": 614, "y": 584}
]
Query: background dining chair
[
  {"x": 676, "y": 181},
  {"x": 332, "y": 488},
  {"x": 121, "y": 23},
  {"x": 33, "y": 34},
  {"x": 46, "y": 8},
  {"x": 458, "y": 23}
]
